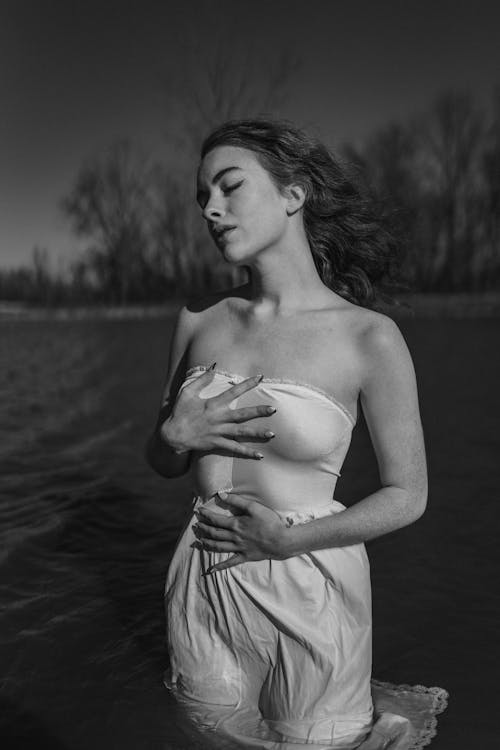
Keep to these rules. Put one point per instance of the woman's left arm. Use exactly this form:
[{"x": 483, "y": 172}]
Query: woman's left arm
[{"x": 389, "y": 400}]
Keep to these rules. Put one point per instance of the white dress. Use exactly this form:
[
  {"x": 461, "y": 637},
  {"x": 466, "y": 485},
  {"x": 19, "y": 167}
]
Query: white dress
[{"x": 277, "y": 653}]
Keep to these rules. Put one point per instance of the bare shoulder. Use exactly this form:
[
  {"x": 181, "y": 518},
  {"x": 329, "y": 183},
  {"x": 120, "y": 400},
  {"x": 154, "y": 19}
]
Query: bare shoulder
[
  {"x": 192, "y": 321},
  {"x": 378, "y": 333},
  {"x": 201, "y": 313},
  {"x": 381, "y": 348},
  {"x": 212, "y": 319}
]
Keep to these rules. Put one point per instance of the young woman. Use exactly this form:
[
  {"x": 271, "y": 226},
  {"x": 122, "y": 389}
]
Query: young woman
[{"x": 268, "y": 592}]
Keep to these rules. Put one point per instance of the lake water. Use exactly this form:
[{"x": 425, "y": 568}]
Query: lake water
[{"x": 88, "y": 530}]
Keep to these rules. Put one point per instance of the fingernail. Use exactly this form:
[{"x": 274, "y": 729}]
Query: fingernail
[
  {"x": 259, "y": 377},
  {"x": 271, "y": 410},
  {"x": 259, "y": 455},
  {"x": 212, "y": 367},
  {"x": 222, "y": 495},
  {"x": 269, "y": 434}
]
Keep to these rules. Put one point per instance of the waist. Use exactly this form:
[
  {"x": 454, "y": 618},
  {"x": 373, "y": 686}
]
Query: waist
[
  {"x": 291, "y": 516},
  {"x": 282, "y": 486}
]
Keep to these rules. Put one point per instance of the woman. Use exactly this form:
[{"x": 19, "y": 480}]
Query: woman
[{"x": 268, "y": 593}]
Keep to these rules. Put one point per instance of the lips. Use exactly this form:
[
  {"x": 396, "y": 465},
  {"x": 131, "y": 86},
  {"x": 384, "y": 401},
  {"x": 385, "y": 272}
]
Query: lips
[{"x": 222, "y": 232}]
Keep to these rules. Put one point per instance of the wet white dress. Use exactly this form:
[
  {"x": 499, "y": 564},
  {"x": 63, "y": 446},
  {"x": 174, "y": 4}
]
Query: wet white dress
[{"x": 277, "y": 653}]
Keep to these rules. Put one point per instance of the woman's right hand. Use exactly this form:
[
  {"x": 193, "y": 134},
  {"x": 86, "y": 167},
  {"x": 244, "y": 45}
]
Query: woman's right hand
[{"x": 205, "y": 424}]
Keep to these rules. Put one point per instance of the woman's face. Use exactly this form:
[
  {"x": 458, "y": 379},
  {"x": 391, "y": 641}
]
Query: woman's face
[{"x": 235, "y": 191}]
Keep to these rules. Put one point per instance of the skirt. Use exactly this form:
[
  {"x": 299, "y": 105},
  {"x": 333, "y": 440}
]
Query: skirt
[{"x": 277, "y": 653}]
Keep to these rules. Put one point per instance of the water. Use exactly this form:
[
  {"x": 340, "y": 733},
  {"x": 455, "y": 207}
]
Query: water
[{"x": 88, "y": 530}]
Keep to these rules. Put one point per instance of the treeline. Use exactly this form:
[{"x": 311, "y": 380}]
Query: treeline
[
  {"x": 437, "y": 175},
  {"x": 146, "y": 240}
]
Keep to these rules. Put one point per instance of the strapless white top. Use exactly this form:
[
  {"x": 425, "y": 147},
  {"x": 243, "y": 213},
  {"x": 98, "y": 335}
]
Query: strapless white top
[{"x": 301, "y": 463}]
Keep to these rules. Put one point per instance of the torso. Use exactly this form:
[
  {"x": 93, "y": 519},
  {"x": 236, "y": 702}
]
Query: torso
[{"x": 319, "y": 346}]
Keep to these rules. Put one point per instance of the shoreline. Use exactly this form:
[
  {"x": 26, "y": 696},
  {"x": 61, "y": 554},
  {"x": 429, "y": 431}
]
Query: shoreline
[{"x": 459, "y": 305}]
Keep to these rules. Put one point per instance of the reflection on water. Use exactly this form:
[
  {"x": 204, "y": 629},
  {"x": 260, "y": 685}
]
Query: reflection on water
[{"x": 87, "y": 532}]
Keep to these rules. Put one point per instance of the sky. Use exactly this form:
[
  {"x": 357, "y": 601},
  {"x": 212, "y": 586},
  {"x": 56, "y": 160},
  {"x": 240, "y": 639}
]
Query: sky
[{"x": 75, "y": 76}]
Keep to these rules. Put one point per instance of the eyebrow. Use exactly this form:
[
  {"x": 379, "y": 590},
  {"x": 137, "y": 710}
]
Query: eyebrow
[{"x": 216, "y": 179}]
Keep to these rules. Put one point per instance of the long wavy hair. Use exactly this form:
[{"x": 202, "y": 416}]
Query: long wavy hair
[{"x": 354, "y": 251}]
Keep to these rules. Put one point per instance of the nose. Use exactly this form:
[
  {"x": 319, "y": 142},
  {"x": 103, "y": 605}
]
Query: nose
[{"x": 212, "y": 211}]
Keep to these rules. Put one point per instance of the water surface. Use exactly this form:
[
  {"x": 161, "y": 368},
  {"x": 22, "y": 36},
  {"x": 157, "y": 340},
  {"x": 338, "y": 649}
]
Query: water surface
[{"x": 88, "y": 529}]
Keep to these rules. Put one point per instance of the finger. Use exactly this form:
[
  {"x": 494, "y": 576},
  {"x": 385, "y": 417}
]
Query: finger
[
  {"x": 204, "y": 531},
  {"x": 236, "y": 501},
  {"x": 201, "y": 380},
  {"x": 236, "y": 390},
  {"x": 229, "y": 563},
  {"x": 245, "y": 413},
  {"x": 238, "y": 449},
  {"x": 212, "y": 545},
  {"x": 247, "y": 433},
  {"x": 215, "y": 519}
]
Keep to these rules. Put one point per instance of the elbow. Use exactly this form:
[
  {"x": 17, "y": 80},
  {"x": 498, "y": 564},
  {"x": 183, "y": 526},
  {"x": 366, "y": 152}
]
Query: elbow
[
  {"x": 420, "y": 506},
  {"x": 416, "y": 505},
  {"x": 420, "y": 496},
  {"x": 409, "y": 504}
]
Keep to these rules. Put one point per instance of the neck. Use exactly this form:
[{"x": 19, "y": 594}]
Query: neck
[{"x": 284, "y": 280}]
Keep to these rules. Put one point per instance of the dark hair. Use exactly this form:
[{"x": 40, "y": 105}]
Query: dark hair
[{"x": 353, "y": 250}]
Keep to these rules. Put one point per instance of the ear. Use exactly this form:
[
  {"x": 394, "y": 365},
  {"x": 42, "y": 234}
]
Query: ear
[{"x": 295, "y": 198}]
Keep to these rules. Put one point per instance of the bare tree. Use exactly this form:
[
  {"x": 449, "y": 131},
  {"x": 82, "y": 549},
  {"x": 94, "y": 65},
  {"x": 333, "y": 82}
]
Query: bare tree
[
  {"x": 111, "y": 205},
  {"x": 386, "y": 166},
  {"x": 451, "y": 138},
  {"x": 42, "y": 276},
  {"x": 435, "y": 174},
  {"x": 490, "y": 204}
]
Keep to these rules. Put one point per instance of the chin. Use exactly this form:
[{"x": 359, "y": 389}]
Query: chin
[{"x": 237, "y": 258}]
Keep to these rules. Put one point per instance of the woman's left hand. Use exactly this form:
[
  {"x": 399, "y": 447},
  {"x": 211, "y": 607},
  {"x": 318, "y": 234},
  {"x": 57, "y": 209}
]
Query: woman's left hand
[{"x": 255, "y": 532}]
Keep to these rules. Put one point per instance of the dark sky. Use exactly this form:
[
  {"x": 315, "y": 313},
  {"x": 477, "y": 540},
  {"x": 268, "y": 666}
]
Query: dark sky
[{"x": 76, "y": 75}]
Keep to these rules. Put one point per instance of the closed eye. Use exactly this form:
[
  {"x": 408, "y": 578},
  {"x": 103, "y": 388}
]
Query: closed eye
[
  {"x": 230, "y": 188},
  {"x": 225, "y": 190}
]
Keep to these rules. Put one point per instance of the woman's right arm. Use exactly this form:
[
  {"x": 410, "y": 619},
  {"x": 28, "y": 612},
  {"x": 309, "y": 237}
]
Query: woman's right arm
[
  {"x": 187, "y": 422},
  {"x": 160, "y": 452}
]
